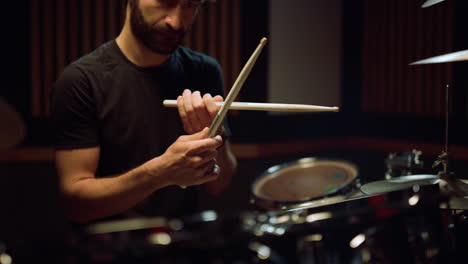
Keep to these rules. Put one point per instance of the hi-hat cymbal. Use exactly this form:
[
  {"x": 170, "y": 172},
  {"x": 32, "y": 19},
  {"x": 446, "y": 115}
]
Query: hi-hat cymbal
[
  {"x": 428, "y": 3},
  {"x": 450, "y": 57},
  {"x": 399, "y": 183}
]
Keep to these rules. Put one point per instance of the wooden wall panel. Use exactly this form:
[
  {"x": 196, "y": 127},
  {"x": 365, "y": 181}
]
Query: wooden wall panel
[
  {"x": 396, "y": 33},
  {"x": 63, "y": 30}
]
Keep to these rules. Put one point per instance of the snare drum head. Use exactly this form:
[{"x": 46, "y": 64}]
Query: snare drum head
[{"x": 303, "y": 180}]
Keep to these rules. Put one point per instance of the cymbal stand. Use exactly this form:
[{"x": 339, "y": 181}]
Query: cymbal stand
[{"x": 444, "y": 158}]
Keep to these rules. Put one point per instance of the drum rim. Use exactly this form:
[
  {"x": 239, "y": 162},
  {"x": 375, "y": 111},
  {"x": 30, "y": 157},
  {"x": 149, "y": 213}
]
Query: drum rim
[{"x": 306, "y": 160}]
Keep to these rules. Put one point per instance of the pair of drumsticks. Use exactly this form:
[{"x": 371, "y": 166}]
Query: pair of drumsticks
[{"x": 229, "y": 104}]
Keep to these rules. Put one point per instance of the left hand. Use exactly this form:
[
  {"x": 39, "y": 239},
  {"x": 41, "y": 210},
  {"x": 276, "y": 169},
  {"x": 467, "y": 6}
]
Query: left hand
[{"x": 197, "y": 112}]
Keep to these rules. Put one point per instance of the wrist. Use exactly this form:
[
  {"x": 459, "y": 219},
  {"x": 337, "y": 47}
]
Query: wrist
[{"x": 154, "y": 172}]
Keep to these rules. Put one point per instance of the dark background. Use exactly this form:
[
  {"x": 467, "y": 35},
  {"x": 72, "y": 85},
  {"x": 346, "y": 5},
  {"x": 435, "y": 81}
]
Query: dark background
[{"x": 30, "y": 210}]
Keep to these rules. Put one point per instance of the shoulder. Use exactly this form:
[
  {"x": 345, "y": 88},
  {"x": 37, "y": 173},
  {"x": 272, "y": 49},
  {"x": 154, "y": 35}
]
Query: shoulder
[
  {"x": 101, "y": 60},
  {"x": 71, "y": 76}
]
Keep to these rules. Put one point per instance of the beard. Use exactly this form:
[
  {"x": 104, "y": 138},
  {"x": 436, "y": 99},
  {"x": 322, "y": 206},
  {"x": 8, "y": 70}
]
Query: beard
[{"x": 161, "y": 39}]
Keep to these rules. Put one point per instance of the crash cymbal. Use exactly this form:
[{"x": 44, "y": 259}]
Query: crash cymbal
[
  {"x": 13, "y": 128},
  {"x": 450, "y": 57},
  {"x": 429, "y": 3}
]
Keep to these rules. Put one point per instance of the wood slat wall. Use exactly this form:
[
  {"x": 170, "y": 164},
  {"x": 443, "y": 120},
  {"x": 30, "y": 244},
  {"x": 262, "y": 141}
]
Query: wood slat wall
[
  {"x": 63, "y": 30},
  {"x": 396, "y": 33}
]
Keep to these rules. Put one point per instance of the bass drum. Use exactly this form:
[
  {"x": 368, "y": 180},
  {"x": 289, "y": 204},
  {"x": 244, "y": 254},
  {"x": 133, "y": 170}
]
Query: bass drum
[
  {"x": 206, "y": 237},
  {"x": 305, "y": 182}
]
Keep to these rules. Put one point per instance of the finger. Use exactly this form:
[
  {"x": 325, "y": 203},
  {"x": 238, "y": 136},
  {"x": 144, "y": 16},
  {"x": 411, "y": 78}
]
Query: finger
[
  {"x": 196, "y": 136},
  {"x": 202, "y": 145},
  {"x": 200, "y": 110},
  {"x": 211, "y": 105},
  {"x": 205, "y": 158},
  {"x": 211, "y": 174},
  {"x": 218, "y": 98},
  {"x": 213, "y": 169},
  {"x": 183, "y": 114},
  {"x": 188, "y": 106},
  {"x": 207, "y": 167}
]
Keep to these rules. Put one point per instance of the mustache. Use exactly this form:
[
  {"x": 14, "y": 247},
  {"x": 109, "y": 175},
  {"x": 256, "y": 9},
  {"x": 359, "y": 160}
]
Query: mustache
[{"x": 167, "y": 30}]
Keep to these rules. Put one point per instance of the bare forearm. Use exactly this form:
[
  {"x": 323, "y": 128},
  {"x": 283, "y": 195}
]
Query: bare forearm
[{"x": 93, "y": 198}]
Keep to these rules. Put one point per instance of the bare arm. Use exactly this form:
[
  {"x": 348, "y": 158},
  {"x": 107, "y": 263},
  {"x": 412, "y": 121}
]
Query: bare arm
[
  {"x": 189, "y": 161},
  {"x": 87, "y": 197}
]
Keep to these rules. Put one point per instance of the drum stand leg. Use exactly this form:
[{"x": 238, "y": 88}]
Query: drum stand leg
[{"x": 448, "y": 179}]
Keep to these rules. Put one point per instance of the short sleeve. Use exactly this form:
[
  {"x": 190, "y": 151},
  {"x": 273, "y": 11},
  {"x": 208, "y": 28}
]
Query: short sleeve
[{"x": 73, "y": 111}]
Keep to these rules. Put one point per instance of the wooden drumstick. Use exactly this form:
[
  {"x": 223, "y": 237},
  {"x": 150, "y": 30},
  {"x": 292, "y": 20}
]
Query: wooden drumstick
[
  {"x": 235, "y": 89},
  {"x": 268, "y": 107}
]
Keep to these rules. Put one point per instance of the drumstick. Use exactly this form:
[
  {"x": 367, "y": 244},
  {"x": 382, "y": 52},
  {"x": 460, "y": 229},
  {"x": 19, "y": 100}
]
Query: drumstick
[
  {"x": 268, "y": 107},
  {"x": 235, "y": 89}
]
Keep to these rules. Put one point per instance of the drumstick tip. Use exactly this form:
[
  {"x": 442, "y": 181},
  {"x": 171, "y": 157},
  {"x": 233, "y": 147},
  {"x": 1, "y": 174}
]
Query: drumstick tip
[{"x": 263, "y": 41}]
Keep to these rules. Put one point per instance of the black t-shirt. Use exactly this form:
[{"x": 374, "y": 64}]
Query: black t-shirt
[{"x": 105, "y": 100}]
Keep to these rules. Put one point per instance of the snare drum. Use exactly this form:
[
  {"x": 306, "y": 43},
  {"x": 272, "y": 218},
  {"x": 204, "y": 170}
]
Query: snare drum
[{"x": 309, "y": 181}]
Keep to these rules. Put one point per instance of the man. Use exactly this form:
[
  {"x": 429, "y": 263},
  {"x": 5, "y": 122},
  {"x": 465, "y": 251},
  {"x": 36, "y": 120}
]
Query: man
[{"x": 119, "y": 152}]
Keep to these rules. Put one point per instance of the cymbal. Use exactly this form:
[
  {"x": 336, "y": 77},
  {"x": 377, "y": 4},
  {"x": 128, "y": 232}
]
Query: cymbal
[
  {"x": 13, "y": 128},
  {"x": 428, "y": 3},
  {"x": 399, "y": 183},
  {"x": 449, "y": 57}
]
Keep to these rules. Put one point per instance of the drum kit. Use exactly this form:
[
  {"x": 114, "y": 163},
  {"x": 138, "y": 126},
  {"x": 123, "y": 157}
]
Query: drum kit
[
  {"x": 312, "y": 210},
  {"x": 309, "y": 211}
]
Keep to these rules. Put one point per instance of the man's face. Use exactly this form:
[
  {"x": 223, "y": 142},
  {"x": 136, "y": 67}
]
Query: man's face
[{"x": 162, "y": 24}]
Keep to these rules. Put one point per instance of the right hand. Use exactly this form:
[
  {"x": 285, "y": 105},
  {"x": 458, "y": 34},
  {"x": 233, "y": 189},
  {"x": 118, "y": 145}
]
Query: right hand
[{"x": 190, "y": 160}]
